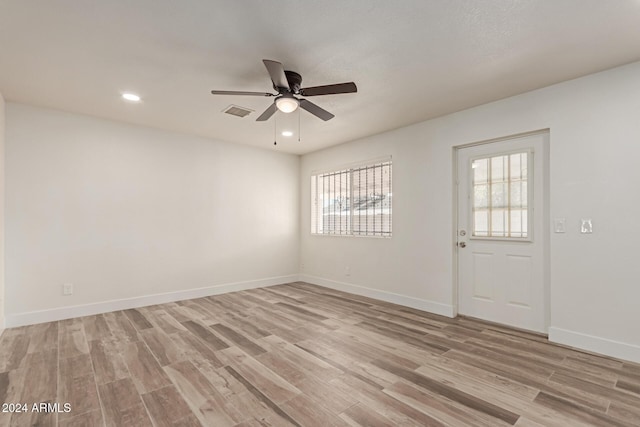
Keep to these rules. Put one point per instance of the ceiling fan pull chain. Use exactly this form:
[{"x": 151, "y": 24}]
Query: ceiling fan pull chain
[
  {"x": 299, "y": 126},
  {"x": 275, "y": 128}
]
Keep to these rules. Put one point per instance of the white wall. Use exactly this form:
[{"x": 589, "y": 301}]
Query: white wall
[
  {"x": 125, "y": 212},
  {"x": 2, "y": 168},
  {"x": 594, "y": 127}
]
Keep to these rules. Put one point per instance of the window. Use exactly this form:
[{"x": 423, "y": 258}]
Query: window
[
  {"x": 352, "y": 201},
  {"x": 500, "y": 196}
]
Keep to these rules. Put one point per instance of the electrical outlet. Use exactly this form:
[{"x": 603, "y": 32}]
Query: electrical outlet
[
  {"x": 67, "y": 289},
  {"x": 347, "y": 271}
]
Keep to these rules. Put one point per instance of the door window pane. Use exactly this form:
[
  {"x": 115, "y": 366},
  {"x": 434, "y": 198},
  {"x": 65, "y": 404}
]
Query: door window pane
[{"x": 499, "y": 202}]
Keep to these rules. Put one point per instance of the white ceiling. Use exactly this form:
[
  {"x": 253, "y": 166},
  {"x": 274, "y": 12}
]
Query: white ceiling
[{"x": 411, "y": 60}]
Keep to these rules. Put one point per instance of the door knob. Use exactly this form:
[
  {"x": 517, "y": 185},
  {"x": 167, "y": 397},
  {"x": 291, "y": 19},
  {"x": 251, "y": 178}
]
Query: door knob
[{"x": 462, "y": 244}]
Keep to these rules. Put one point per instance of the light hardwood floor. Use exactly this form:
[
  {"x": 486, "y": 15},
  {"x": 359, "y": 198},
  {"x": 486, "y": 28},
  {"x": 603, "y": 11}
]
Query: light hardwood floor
[{"x": 303, "y": 355}]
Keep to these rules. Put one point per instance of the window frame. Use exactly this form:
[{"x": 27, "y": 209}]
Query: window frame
[{"x": 349, "y": 168}]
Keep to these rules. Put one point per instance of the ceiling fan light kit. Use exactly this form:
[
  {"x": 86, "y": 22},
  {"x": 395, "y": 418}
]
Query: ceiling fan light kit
[
  {"x": 287, "y": 84},
  {"x": 287, "y": 103}
]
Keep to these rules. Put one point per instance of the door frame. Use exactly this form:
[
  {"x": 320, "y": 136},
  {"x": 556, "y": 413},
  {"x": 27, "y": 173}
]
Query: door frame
[{"x": 546, "y": 228}]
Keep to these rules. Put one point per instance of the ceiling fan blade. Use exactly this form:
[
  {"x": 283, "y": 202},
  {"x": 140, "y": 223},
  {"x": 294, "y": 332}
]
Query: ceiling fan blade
[
  {"x": 315, "y": 110},
  {"x": 236, "y": 92},
  {"x": 329, "y": 89},
  {"x": 276, "y": 72},
  {"x": 267, "y": 113}
]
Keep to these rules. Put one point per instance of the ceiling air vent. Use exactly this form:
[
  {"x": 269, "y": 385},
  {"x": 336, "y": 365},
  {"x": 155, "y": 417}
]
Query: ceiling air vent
[{"x": 234, "y": 110}]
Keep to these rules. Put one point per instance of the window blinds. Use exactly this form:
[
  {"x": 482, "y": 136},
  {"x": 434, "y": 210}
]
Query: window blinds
[{"x": 355, "y": 201}]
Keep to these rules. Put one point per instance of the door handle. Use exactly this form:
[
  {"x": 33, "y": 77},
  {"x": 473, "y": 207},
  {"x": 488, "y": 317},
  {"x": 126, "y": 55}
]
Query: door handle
[{"x": 462, "y": 244}]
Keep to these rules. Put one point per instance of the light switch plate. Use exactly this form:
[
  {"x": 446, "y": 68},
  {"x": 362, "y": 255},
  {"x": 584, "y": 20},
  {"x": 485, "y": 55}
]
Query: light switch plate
[
  {"x": 586, "y": 226},
  {"x": 559, "y": 225}
]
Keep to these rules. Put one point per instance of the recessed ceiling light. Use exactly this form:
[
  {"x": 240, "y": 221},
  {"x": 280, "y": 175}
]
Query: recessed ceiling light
[
  {"x": 287, "y": 133},
  {"x": 131, "y": 97}
]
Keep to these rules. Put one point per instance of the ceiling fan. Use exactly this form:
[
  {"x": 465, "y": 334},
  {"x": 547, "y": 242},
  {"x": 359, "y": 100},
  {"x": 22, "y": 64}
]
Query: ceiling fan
[{"x": 287, "y": 84}]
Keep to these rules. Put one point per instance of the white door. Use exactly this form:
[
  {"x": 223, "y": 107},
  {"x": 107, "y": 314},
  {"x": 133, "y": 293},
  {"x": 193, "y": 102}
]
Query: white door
[{"x": 501, "y": 232}]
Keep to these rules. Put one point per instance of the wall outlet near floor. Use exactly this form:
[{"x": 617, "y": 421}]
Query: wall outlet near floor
[
  {"x": 347, "y": 271},
  {"x": 67, "y": 289}
]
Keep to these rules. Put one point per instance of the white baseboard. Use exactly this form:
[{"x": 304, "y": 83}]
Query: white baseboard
[
  {"x": 33, "y": 317},
  {"x": 595, "y": 344},
  {"x": 417, "y": 303}
]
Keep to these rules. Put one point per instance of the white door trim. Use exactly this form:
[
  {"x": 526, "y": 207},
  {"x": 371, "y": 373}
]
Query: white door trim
[{"x": 546, "y": 217}]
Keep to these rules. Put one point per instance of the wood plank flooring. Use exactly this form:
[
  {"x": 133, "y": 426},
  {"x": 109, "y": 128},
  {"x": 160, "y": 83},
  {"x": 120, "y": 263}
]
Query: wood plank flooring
[{"x": 302, "y": 355}]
